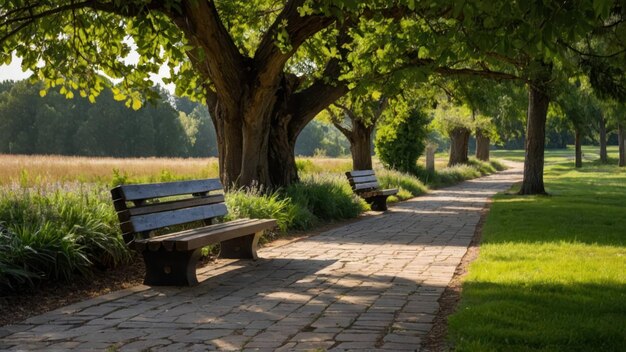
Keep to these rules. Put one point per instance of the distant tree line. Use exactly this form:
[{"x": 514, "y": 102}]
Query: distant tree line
[{"x": 168, "y": 127}]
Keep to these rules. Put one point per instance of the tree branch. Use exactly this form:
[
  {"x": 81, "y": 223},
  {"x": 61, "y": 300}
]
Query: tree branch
[
  {"x": 269, "y": 58},
  {"x": 347, "y": 110},
  {"x": 581, "y": 53},
  {"x": 346, "y": 132},
  {"x": 223, "y": 63}
]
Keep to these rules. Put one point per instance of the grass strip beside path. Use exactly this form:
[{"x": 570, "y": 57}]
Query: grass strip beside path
[{"x": 551, "y": 274}]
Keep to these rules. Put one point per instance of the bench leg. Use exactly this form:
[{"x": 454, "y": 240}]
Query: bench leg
[
  {"x": 171, "y": 268},
  {"x": 241, "y": 247},
  {"x": 378, "y": 203}
]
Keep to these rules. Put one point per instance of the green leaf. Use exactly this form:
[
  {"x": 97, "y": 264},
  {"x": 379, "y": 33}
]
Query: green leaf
[{"x": 136, "y": 104}]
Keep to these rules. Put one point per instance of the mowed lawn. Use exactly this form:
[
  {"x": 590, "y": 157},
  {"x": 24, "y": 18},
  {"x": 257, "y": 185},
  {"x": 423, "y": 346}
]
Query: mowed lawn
[{"x": 551, "y": 273}]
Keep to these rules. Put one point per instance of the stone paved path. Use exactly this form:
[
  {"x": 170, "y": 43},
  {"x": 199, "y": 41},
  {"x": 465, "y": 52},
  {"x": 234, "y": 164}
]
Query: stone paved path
[{"x": 370, "y": 285}]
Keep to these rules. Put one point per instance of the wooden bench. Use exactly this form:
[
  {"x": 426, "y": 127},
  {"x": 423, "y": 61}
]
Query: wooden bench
[
  {"x": 365, "y": 184},
  {"x": 171, "y": 258}
]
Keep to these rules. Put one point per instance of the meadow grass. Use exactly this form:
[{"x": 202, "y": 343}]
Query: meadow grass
[
  {"x": 31, "y": 170},
  {"x": 551, "y": 274}
]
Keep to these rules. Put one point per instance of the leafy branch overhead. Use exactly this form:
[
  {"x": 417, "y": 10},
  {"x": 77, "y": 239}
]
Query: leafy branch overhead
[{"x": 267, "y": 68}]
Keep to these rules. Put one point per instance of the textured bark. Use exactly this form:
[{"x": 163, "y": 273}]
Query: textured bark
[
  {"x": 251, "y": 98},
  {"x": 579, "y": 151},
  {"x": 604, "y": 158},
  {"x": 459, "y": 139},
  {"x": 360, "y": 146},
  {"x": 621, "y": 133},
  {"x": 538, "y": 102},
  {"x": 482, "y": 146},
  {"x": 360, "y": 138}
]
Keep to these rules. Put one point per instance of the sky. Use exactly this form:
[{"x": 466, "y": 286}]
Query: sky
[{"x": 14, "y": 72}]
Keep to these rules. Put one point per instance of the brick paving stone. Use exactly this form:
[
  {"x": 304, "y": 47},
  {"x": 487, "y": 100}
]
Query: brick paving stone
[
  {"x": 373, "y": 284},
  {"x": 144, "y": 345}
]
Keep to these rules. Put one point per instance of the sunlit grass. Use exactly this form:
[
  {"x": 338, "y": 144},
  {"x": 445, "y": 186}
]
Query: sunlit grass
[
  {"x": 551, "y": 275},
  {"x": 553, "y": 156},
  {"x": 31, "y": 170}
]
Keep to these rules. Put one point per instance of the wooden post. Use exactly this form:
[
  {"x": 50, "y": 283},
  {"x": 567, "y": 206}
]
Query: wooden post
[{"x": 431, "y": 148}]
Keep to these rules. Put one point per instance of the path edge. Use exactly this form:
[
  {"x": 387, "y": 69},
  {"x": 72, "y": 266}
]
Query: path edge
[{"x": 435, "y": 340}]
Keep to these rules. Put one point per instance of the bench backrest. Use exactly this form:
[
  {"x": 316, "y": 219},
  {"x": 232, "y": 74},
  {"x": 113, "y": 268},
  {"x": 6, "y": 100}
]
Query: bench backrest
[
  {"x": 146, "y": 207},
  {"x": 362, "y": 180}
]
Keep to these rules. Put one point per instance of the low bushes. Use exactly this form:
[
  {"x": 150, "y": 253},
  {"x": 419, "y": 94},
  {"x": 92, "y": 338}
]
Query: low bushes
[
  {"x": 454, "y": 174},
  {"x": 300, "y": 206},
  {"x": 56, "y": 235},
  {"x": 408, "y": 186}
]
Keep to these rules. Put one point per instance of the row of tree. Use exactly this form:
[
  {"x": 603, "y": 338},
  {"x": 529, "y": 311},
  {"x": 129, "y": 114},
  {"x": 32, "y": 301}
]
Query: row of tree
[
  {"x": 168, "y": 126},
  {"x": 266, "y": 69}
]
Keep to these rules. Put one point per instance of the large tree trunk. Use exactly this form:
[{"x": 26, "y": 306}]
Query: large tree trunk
[
  {"x": 248, "y": 93},
  {"x": 459, "y": 139},
  {"x": 579, "y": 151},
  {"x": 482, "y": 146},
  {"x": 229, "y": 144},
  {"x": 621, "y": 135},
  {"x": 538, "y": 102},
  {"x": 604, "y": 158},
  {"x": 282, "y": 160}
]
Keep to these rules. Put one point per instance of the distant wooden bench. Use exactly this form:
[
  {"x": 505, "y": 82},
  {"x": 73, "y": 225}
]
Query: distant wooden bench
[
  {"x": 171, "y": 258},
  {"x": 365, "y": 184}
]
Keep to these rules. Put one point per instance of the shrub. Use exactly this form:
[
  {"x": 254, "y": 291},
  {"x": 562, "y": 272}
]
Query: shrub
[
  {"x": 251, "y": 203},
  {"x": 299, "y": 206},
  {"x": 409, "y": 186},
  {"x": 401, "y": 141},
  {"x": 458, "y": 173},
  {"x": 56, "y": 235},
  {"x": 327, "y": 197}
]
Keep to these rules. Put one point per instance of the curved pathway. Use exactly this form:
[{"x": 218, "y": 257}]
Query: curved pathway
[{"x": 371, "y": 285}]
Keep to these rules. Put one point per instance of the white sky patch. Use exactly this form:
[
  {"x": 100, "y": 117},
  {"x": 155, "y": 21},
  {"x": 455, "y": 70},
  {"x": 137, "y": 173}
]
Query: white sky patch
[{"x": 14, "y": 72}]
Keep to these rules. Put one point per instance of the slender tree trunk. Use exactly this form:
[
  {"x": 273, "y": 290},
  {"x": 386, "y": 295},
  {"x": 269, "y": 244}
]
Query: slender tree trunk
[
  {"x": 604, "y": 158},
  {"x": 360, "y": 146},
  {"x": 579, "y": 151},
  {"x": 538, "y": 102},
  {"x": 621, "y": 135},
  {"x": 459, "y": 139},
  {"x": 482, "y": 146}
]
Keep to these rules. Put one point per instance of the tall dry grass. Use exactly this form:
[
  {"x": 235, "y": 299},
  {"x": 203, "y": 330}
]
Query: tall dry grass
[
  {"x": 29, "y": 170},
  {"x": 37, "y": 170}
]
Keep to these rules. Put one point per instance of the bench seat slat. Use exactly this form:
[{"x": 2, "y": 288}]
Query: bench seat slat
[
  {"x": 369, "y": 185},
  {"x": 379, "y": 192},
  {"x": 167, "y": 189},
  {"x": 356, "y": 173},
  {"x": 154, "y": 243},
  {"x": 206, "y": 235},
  {"x": 155, "y": 221},
  {"x": 363, "y": 179}
]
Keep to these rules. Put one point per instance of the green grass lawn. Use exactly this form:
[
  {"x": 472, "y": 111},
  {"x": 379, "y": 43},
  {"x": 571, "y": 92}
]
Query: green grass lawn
[
  {"x": 551, "y": 274},
  {"x": 554, "y": 156}
]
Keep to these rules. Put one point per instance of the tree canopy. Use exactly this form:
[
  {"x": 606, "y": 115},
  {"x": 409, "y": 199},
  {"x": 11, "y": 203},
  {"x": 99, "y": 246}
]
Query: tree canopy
[{"x": 265, "y": 69}]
